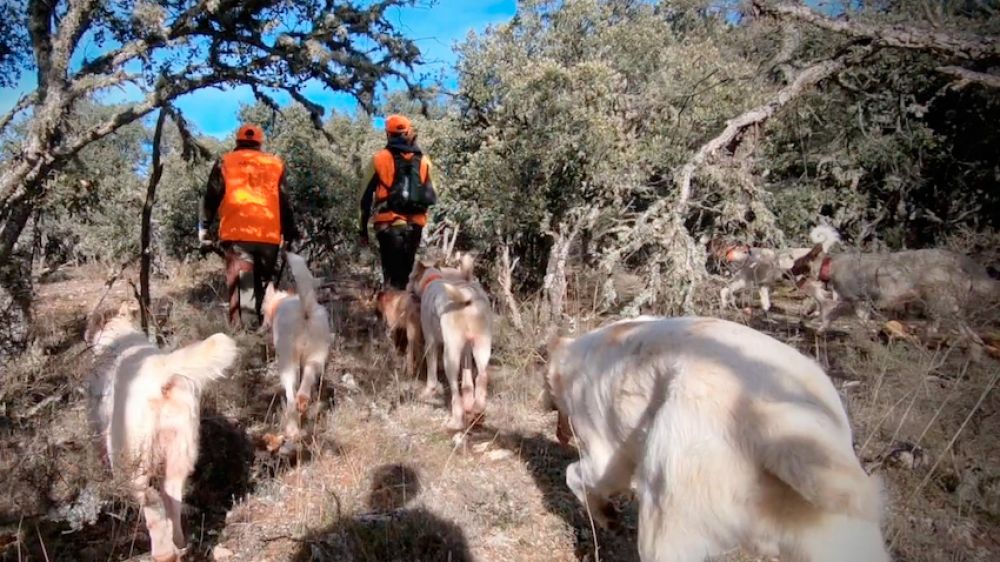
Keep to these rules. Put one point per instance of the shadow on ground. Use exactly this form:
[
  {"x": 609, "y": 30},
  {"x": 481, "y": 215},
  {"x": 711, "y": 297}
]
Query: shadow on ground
[
  {"x": 390, "y": 530},
  {"x": 546, "y": 461}
]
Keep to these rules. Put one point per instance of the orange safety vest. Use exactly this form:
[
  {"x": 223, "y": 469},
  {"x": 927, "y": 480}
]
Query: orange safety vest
[
  {"x": 250, "y": 209},
  {"x": 385, "y": 169}
]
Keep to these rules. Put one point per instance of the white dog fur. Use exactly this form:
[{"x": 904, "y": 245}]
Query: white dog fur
[
  {"x": 764, "y": 268},
  {"x": 300, "y": 330},
  {"x": 456, "y": 320},
  {"x": 145, "y": 405},
  {"x": 727, "y": 436}
]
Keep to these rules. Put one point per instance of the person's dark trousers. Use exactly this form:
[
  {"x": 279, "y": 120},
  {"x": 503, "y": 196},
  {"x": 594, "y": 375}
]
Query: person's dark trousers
[
  {"x": 248, "y": 257},
  {"x": 397, "y": 247}
]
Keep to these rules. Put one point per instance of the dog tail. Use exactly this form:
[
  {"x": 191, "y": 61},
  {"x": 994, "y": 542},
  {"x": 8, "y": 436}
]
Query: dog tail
[
  {"x": 305, "y": 284},
  {"x": 460, "y": 295},
  {"x": 466, "y": 266},
  {"x": 203, "y": 361},
  {"x": 824, "y": 235},
  {"x": 824, "y": 474}
]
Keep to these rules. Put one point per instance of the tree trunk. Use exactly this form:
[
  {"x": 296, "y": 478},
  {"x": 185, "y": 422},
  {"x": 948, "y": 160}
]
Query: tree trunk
[
  {"x": 505, "y": 274},
  {"x": 146, "y": 253},
  {"x": 554, "y": 283},
  {"x": 15, "y": 285}
]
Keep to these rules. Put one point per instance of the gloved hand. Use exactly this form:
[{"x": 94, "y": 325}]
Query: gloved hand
[
  {"x": 204, "y": 238},
  {"x": 293, "y": 245}
]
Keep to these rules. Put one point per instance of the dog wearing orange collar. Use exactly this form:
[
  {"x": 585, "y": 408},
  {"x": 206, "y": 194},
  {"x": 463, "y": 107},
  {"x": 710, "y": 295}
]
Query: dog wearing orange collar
[
  {"x": 764, "y": 268},
  {"x": 456, "y": 320}
]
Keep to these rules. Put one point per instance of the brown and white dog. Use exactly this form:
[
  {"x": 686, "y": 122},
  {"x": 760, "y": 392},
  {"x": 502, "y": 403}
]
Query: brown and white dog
[
  {"x": 145, "y": 406},
  {"x": 764, "y": 267},
  {"x": 727, "y": 437},
  {"x": 947, "y": 285},
  {"x": 401, "y": 312},
  {"x": 457, "y": 324},
  {"x": 300, "y": 330}
]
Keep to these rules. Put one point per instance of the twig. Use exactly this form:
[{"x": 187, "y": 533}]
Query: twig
[
  {"x": 505, "y": 274},
  {"x": 146, "y": 255},
  {"x": 41, "y": 542},
  {"x": 586, "y": 501}
]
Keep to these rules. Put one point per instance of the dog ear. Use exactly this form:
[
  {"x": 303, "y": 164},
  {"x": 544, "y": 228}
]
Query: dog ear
[
  {"x": 554, "y": 344},
  {"x": 128, "y": 309},
  {"x": 802, "y": 266},
  {"x": 418, "y": 271},
  {"x": 379, "y": 302}
]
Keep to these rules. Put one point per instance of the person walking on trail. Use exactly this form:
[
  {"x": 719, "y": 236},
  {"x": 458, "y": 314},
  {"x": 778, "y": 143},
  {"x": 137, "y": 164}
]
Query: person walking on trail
[
  {"x": 397, "y": 191},
  {"x": 246, "y": 189}
]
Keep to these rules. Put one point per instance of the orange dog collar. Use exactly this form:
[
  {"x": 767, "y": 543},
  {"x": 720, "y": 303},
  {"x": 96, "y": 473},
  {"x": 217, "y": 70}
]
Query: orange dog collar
[{"x": 428, "y": 280}]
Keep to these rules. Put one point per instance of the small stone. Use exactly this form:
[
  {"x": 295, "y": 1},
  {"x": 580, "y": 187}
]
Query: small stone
[
  {"x": 221, "y": 553},
  {"x": 348, "y": 382},
  {"x": 850, "y": 384},
  {"x": 498, "y": 454}
]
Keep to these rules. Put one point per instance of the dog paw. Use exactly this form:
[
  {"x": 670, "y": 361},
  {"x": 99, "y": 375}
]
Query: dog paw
[
  {"x": 611, "y": 516},
  {"x": 288, "y": 448},
  {"x": 454, "y": 424},
  {"x": 479, "y": 406},
  {"x": 272, "y": 442},
  {"x": 301, "y": 403},
  {"x": 473, "y": 418},
  {"x": 430, "y": 392}
]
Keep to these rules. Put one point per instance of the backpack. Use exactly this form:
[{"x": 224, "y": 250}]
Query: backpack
[{"x": 407, "y": 194}]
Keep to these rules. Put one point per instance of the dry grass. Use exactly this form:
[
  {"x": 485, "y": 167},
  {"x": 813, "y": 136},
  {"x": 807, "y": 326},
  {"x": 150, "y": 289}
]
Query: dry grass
[{"x": 379, "y": 478}]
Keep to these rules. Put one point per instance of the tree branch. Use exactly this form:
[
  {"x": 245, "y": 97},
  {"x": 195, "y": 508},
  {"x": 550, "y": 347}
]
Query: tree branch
[
  {"x": 191, "y": 148},
  {"x": 170, "y": 89},
  {"x": 735, "y": 127},
  {"x": 903, "y": 37},
  {"x": 40, "y": 13},
  {"x": 146, "y": 255},
  {"x": 71, "y": 27},
  {"x": 964, "y": 77},
  {"x": 23, "y": 103}
]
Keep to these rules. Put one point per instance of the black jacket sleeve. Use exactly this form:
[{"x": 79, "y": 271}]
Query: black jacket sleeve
[
  {"x": 214, "y": 191},
  {"x": 289, "y": 230},
  {"x": 366, "y": 204}
]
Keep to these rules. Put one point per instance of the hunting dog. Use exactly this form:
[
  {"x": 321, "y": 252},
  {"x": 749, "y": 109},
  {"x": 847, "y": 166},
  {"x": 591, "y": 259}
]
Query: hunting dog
[
  {"x": 401, "y": 312},
  {"x": 300, "y": 330},
  {"x": 945, "y": 284},
  {"x": 145, "y": 406},
  {"x": 727, "y": 436},
  {"x": 457, "y": 324},
  {"x": 763, "y": 267}
]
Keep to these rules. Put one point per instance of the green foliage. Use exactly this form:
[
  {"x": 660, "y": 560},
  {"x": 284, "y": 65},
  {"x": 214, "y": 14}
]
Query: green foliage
[
  {"x": 584, "y": 104},
  {"x": 895, "y": 158},
  {"x": 92, "y": 207}
]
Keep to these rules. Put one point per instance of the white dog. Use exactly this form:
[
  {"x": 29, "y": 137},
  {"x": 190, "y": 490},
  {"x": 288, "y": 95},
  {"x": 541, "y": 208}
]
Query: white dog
[
  {"x": 728, "y": 437},
  {"x": 145, "y": 406},
  {"x": 300, "y": 329},
  {"x": 764, "y": 268},
  {"x": 456, "y": 320}
]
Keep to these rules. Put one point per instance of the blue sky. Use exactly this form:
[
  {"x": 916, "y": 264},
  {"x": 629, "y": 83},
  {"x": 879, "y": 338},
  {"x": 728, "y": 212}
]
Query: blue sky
[{"x": 436, "y": 28}]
